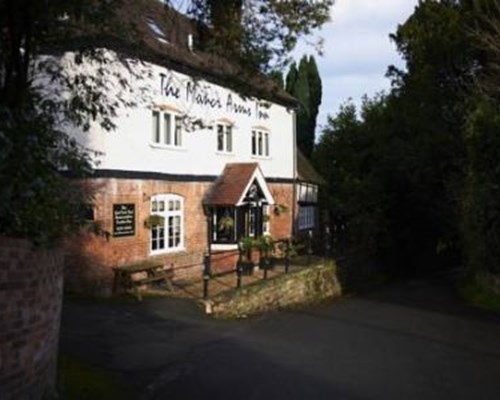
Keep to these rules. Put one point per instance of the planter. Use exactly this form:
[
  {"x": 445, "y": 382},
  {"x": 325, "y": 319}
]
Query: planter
[
  {"x": 246, "y": 267},
  {"x": 267, "y": 263}
]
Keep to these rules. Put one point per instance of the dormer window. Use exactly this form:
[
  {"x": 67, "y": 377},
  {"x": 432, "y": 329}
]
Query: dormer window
[{"x": 158, "y": 32}]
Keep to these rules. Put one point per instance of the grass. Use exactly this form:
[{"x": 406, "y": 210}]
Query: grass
[
  {"x": 479, "y": 296},
  {"x": 78, "y": 380}
]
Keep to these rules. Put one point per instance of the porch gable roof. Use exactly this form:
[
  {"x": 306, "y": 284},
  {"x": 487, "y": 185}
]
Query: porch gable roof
[{"x": 233, "y": 184}]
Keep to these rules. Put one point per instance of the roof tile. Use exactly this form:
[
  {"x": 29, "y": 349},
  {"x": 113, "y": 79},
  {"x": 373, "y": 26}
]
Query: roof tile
[{"x": 229, "y": 187}]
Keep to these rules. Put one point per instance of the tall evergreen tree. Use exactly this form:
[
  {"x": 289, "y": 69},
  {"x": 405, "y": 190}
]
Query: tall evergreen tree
[
  {"x": 304, "y": 84},
  {"x": 291, "y": 78},
  {"x": 316, "y": 94},
  {"x": 302, "y": 93}
]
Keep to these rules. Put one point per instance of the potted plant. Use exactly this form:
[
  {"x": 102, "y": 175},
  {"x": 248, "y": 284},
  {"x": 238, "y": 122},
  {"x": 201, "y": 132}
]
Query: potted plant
[
  {"x": 280, "y": 209},
  {"x": 226, "y": 224},
  {"x": 245, "y": 263},
  {"x": 266, "y": 247},
  {"x": 153, "y": 220}
]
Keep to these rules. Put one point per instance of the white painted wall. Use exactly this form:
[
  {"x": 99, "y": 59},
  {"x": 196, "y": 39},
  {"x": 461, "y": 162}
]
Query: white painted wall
[{"x": 130, "y": 146}]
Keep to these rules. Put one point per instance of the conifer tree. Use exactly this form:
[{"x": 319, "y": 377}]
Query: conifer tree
[{"x": 304, "y": 84}]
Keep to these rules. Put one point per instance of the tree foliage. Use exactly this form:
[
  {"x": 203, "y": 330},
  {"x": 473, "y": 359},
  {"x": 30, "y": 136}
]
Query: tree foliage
[
  {"x": 404, "y": 165},
  {"x": 260, "y": 33},
  {"x": 37, "y": 201},
  {"x": 304, "y": 83}
]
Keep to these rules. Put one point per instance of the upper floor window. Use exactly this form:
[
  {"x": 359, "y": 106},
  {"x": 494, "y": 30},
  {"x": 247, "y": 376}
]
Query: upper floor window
[
  {"x": 168, "y": 233},
  {"x": 224, "y": 138},
  {"x": 167, "y": 129},
  {"x": 260, "y": 143}
]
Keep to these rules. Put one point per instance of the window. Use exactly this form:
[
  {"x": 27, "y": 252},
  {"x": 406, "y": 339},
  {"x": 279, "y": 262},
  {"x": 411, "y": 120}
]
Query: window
[
  {"x": 265, "y": 220},
  {"x": 260, "y": 143},
  {"x": 230, "y": 224},
  {"x": 307, "y": 217},
  {"x": 167, "y": 129},
  {"x": 224, "y": 138},
  {"x": 167, "y": 235},
  {"x": 251, "y": 222},
  {"x": 224, "y": 224},
  {"x": 158, "y": 32}
]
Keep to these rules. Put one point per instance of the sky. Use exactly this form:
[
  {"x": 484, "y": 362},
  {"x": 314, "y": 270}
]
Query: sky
[{"x": 357, "y": 50}]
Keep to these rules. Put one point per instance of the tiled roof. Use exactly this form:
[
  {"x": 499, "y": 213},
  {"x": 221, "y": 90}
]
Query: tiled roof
[
  {"x": 154, "y": 32},
  {"x": 306, "y": 171},
  {"x": 229, "y": 187}
]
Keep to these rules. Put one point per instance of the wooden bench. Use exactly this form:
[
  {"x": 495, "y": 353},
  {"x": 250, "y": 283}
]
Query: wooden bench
[{"x": 154, "y": 271}]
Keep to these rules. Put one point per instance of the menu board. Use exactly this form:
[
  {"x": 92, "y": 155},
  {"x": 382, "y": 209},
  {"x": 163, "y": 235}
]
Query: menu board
[{"x": 123, "y": 220}]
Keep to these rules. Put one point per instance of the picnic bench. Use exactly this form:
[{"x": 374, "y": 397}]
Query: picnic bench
[{"x": 133, "y": 276}]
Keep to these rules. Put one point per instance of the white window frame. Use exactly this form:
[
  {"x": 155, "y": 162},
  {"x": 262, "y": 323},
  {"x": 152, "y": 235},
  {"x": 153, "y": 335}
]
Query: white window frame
[
  {"x": 225, "y": 131},
  {"x": 260, "y": 143},
  {"x": 266, "y": 225},
  {"x": 171, "y": 208},
  {"x": 167, "y": 131}
]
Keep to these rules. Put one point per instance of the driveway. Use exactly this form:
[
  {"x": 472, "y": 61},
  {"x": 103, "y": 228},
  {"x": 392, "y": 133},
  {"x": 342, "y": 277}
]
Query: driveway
[{"x": 411, "y": 340}]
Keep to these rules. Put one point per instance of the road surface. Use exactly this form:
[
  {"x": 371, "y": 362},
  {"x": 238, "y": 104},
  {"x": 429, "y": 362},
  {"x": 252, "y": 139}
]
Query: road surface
[{"x": 406, "y": 340}]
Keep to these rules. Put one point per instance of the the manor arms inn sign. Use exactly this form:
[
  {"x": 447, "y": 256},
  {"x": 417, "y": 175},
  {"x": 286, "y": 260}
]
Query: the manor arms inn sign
[{"x": 194, "y": 93}]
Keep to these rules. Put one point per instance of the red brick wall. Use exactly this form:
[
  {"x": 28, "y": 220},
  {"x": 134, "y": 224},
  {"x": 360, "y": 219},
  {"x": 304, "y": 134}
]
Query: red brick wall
[
  {"x": 281, "y": 225},
  {"x": 90, "y": 258},
  {"x": 31, "y": 284}
]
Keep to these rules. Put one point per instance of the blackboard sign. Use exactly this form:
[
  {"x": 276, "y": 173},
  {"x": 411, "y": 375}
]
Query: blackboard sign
[{"x": 123, "y": 220}]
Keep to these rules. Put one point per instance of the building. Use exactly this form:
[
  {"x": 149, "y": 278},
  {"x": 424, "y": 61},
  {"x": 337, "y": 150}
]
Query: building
[{"x": 202, "y": 155}]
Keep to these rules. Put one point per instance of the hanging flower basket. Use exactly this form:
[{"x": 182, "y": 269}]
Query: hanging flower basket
[
  {"x": 280, "y": 209},
  {"x": 153, "y": 220}
]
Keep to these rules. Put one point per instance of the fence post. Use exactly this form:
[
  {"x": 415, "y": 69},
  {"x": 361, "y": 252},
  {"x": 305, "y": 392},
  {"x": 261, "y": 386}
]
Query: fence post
[
  {"x": 309, "y": 246},
  {"x": 328, "y": 239},
  {"x": 239, "y": 271},
  {"x": 206, "y": 275},
  {"x": 287, "y": 255}
]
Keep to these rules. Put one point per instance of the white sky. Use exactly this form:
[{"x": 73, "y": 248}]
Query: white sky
[{"x": 357, "y": 50}]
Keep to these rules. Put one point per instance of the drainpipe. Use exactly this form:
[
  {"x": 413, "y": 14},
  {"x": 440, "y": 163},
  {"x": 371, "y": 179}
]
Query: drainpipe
[
  {"x": 294, "y": 180},
  {"x": 208, "y": 216}
]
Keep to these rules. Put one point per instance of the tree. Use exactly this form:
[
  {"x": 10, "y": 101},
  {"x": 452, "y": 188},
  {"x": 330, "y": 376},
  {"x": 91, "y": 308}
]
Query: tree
[
  {"x": 480, "y": 213},
  {"x": 259, "y": 33},
  {"x": 37, "y": 200},
  {"x": 304, "y": 84},
  {"x": 299, "y": 88},
  {"x": 400, "y": 172},
  {"x": 348, "y": 157},
  {"x": 316, "y": 95}
]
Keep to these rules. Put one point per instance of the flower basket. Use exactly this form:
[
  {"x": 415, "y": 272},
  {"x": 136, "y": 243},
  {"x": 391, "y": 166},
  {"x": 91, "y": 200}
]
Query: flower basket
[{"x": 153, "y": 220}]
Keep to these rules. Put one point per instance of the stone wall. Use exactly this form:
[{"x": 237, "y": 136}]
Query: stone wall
[
  {"x": 31, "y": 284},
  {"x": 300, "y": 287}
]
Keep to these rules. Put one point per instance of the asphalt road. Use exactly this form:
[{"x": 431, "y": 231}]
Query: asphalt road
[{"x": 411, "y": 340}]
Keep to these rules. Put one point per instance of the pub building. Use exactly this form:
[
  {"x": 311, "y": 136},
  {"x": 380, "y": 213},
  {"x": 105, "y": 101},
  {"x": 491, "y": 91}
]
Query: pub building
[{"x": 202, "y": 156}]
